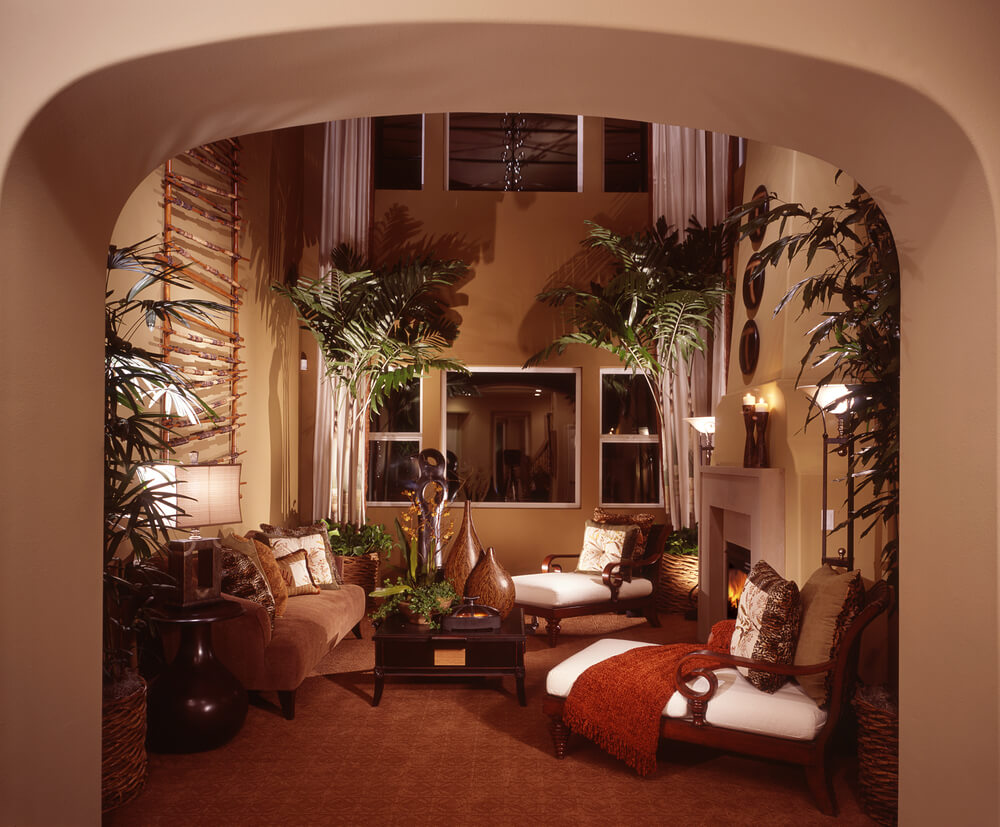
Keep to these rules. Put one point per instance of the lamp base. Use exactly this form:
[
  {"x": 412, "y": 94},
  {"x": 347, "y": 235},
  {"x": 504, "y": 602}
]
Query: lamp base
[{"x": 196, "y": 566}]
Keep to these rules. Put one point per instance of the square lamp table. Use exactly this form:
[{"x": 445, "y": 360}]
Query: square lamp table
[{"x": 407, "y": 649}]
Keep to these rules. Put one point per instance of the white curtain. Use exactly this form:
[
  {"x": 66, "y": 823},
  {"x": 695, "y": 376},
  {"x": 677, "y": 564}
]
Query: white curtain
[
  {"x": 339, "y": 450},
  {"x": 690, "y": 177}
]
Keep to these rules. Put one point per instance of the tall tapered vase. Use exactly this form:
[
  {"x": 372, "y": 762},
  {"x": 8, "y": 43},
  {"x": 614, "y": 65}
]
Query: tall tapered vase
[
  {"x": 491, "y": 583},
  {"x": 465, "y": 553}
]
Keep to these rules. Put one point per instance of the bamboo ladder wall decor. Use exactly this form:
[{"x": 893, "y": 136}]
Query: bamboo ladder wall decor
[{"x": 201, "y": 229}]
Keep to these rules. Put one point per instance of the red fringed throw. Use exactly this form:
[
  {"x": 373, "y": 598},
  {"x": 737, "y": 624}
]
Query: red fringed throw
[{"x": 618, "y": 702}]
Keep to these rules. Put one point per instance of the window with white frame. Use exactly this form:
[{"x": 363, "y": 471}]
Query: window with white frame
[
  {"x": 630, "y": 447},
  {"x": 393, "y": 442}
]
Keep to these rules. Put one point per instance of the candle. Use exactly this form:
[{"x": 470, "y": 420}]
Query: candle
[
  {"x": 761, "y": 406},
  {"x": 748, "y": 400}
]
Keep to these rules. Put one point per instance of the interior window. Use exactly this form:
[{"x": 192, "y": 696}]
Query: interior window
[
  {"x": 398, "y": 152},
  {"x": 630, "y": 450},
  {"x": 393, "y": 442},
  {"x": 511, "y": 436},
  {"x": 513, "y": 151}
]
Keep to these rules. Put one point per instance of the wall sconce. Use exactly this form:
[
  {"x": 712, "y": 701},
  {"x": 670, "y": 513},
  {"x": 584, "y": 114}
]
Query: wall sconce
[
  {"x": 303, "y": 362},
  {"x": 836, "y": 400},
  {"x": 705, "y": 426},
  {"x": 211, "y": 496}
]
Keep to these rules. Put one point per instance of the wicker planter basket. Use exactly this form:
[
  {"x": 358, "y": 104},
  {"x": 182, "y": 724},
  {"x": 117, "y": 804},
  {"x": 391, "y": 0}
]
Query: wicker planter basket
[
  {"x": 878, "y": 752},
  {"x": 678, "y": 577},
  {"x": 123, "y": 747},
  {"x": 362, "y": 571}
]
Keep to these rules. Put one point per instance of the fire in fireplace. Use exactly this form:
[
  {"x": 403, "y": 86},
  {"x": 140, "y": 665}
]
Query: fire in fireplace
[{"x": 737, "y": 569}]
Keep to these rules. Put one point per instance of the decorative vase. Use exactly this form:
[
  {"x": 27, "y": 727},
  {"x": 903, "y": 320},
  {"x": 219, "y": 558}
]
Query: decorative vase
[
  {"x": 490, "y": 582},
  {"x": 465, "y": 553}
]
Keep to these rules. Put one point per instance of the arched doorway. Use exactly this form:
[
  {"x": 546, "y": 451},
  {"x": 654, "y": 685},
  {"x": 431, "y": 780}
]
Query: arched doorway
[{"x": 84, "y": 150}]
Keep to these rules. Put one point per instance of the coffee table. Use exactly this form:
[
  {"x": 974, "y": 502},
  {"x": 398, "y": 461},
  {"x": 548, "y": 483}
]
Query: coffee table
[{"x": 403, "y": 648}]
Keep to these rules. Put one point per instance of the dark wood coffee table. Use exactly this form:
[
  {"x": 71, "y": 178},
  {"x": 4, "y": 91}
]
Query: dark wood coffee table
[{"x": 403, "y": 648}]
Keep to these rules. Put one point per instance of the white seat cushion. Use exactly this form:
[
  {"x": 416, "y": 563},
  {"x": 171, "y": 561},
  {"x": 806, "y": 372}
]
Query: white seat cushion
[
  {"x": 737, "y": 704},
  {"x": 568, "y": 588}
]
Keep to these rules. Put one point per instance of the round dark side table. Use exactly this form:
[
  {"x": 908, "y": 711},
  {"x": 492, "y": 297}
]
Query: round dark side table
[{"x": 196, "y": 704}]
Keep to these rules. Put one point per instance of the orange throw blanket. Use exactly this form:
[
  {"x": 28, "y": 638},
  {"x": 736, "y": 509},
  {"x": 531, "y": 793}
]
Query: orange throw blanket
[{"x": 618, "y": 702}]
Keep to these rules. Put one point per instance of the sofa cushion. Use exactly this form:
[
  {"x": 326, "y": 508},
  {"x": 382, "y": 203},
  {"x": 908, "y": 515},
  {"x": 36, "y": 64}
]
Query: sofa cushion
[
  {"x": 767, "y": 624},
  {"x": 737, "y": 704},
  {"x": 264, "y": 560},
  {"x": 242, "y": 578},
  {"x": 295, "y": 570},
  {"x": 830, "y": 602},
  {"x": 315, "y": 540},
  {"x": 568, "y": 588},
  {"x": 644, "y": 520},
  {"x": 604, "y": 544}
]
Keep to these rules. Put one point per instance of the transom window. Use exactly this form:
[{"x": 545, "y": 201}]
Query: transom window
[
  {"x": 630, "y": 448},
  {"x": 513, "y": 151}
]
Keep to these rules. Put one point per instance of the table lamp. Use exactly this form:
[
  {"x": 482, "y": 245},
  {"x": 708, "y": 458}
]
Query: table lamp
[{"x": 206, "y": 495}]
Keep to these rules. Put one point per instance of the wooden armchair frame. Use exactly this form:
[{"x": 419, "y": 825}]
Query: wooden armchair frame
[
  {"x": 613, "y": 577},
  {"x": 811, "y": 755}
]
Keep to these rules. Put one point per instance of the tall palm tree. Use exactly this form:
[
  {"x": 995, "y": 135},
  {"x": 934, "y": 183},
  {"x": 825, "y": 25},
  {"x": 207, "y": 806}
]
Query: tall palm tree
[
  {"x": 379, "y": 328},
  {"x": 654, "y": 310}
]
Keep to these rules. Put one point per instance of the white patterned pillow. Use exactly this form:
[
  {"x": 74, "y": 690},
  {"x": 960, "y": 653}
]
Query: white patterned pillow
[
  {"x": 604, "y": 544},
  {"x": 315, "y": 548}
]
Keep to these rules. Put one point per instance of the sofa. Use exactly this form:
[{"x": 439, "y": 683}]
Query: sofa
[
  {"x": 295, "y": 608},
  {"x": 278, "y": 661}
]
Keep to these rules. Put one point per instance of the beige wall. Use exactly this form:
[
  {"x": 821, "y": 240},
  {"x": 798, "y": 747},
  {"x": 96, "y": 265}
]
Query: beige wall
[
  {"x": 272, "y": 241},
  {"x": 517, "y": 243},
  {"x": 914, "y": 122},
  {"x": 795, "y": 177}
]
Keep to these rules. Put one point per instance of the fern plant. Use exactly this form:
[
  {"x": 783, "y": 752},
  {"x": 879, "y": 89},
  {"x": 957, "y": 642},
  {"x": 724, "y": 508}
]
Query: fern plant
[
  {"x": 655, "y": 308},
  {"x": 379, "y": 328}
]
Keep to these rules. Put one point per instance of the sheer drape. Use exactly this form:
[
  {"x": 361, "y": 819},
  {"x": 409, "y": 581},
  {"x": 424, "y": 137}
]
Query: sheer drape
[
  {"x": 690, "y": 177},
  {"x": 339, "y": 450}
]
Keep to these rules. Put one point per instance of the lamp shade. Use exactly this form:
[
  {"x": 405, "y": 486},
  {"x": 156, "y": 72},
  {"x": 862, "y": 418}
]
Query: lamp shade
[
  {"x": 702, "y": 424},
  {"x": 833, "y": 399},
  {"x": 214, "y": 492}
]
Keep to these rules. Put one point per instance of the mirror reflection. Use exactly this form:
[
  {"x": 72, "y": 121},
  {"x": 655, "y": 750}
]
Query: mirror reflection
[{"x": 511, "y": 435}]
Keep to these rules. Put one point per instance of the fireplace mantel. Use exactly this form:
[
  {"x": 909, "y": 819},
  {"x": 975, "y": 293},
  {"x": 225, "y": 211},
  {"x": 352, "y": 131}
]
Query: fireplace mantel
[{"x": 745, "y": 506}]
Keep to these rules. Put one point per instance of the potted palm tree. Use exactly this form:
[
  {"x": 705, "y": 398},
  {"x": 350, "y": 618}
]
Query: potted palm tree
[
  {"x": 378, "y": 329},
  {"x": 136, "y": 379}
]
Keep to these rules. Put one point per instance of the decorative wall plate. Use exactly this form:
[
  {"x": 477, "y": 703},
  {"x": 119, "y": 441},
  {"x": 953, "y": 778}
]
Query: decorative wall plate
[
  {"x": 759, "y": 194},
  {"x": 749, "y": 347},
  {"x": 753, "y": 282}
]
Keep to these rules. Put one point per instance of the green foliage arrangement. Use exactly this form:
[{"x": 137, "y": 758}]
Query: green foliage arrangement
[
  {"x": 428, "y": 600},
  {"x": 857, "y": 339},
  {"x": 683, "y": 541},
  {"x": 348, "y": 540},
  {"x": 378, "y": 328},
  {"x": 655, "y": 308},
  {"x": 135, "y": 380}
]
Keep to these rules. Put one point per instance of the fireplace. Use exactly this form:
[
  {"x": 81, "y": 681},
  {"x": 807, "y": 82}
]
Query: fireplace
[
  {"x": 737, "y": 570},
  {"x": 741, "y": 508}
]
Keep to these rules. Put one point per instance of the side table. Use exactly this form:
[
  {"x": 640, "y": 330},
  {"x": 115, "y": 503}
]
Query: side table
[
  {"x": 403, "y": 648},
  {"x": 196, "y": 704}
]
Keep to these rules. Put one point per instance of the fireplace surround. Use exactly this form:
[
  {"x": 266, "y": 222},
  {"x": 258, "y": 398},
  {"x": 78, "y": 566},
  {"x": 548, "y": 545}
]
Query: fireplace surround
[{"x": 742, "y": 507}]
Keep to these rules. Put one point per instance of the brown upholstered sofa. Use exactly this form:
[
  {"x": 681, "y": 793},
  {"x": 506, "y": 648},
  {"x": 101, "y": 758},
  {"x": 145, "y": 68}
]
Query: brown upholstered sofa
[{"x": 279, "y": 660}]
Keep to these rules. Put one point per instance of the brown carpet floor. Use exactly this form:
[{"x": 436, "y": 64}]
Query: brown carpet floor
[{"x": 442, "y": 753}]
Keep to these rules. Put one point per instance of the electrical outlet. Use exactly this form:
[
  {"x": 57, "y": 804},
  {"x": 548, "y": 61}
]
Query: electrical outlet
[{"x": 827, "y": 517}]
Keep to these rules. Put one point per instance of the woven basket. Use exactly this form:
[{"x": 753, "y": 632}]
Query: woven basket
[
  {"x": 123, "y": 748},
  {"x": 878, "y": 752},
  {"x": 362, "y": 571},
  {"x": 678, "y": 577}
]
